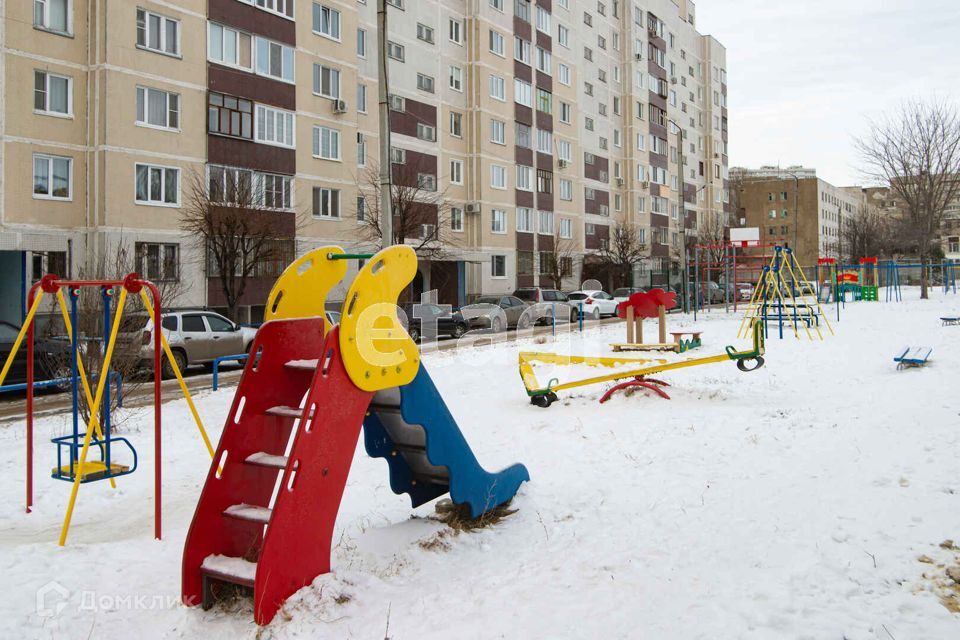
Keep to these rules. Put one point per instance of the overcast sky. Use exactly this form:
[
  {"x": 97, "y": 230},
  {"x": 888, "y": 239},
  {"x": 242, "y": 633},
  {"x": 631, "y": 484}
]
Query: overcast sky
[{"x": 805, "y": 77}]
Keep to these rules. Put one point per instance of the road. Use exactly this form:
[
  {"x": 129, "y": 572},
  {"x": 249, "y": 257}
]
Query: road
[{"x": 13, "y": 405}]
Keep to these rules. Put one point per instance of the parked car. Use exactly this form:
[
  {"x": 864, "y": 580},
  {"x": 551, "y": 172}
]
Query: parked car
[
  {"x": 447, "y": 323},
  {"x": 595, "y": 303},
  {"x": 51, "y": 358},
  {"x": 541, "y": 298},
  {"x": 482, "y": 315},
  {"x": 745, "y": 291},
  {"x": 195, "y": 336},
  {"x": 623, "y": 293}
]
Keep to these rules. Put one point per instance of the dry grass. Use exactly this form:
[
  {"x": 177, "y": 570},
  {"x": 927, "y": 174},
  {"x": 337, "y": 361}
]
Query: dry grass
[
  {"x": 944, "y": 577},
  {"x": 458, "y": 518}
]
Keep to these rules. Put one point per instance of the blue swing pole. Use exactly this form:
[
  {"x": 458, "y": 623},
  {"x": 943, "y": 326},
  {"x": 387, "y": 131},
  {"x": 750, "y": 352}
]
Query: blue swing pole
[
  {"x": 106, "y": 294},
  {"x": 74, "y": 341}
]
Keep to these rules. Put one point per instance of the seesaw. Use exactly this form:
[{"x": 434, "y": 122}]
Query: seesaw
[{"x": 545, "y": 396}]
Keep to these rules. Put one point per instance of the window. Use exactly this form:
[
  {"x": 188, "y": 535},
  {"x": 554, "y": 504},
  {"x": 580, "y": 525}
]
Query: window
[
  {"x": 280, "y": 7},
  {"x": 273, "y": 60},
  {"x": 564, "y": 150},
  {"x": 361, "y": 150},
  {"x": 544, "y": 181},
  {"x": 566, "y": 189},
  {"x": 395, "y": 51},
  {"x": 544, "y": 61},
  {"x": 274, "y": 126},
  {"x": 456, "y": 219},
  {"x": 525, "y": 263},
  {"x": 424, "y": 83},
  {"x": 426, "y": 132},
  {"x": 545, "y": 222},
  {"x": 52, "y": 177},
  {"x": 456, "y": 172},
  {"x": 564, "y": 74},
  {"x": 362, "y": 98},
  {"x": 543, "y": 20},
  {"x": 156, "y": 108},
  {"x": 587, "y": 19},
  {"x": 326, "y": 143},
  {"x": 361, "y": 43},
  {"x": 565, "y": 112},
  {"x": 52, "y": 94},
  {"x": 498, "y": 89},
  {"x": 498, "y": 132},
  {"x": 398, "y": 156},
  {"x": 157, "y": 185},
  {"x": 230, "y": 116},
  {"x": 544, "y": 141},
  {"x": 326, "y": 21},
  {"x": 427, "y": 181},
  {"x": 498, "y": 176},
  {"x": 498, "y": 264},
  {"x": 425, "y": 33},
  {"x": 524, "y": 178},
  {"x": 521, "y": 50},
  {"x": 498, "y": 221},
  {"x": 326, "y": 82},
  {"x": 326, "y": 202},
  {"x": 546, "y": 262},
  {"x": 566, "y": 228},
  {"x": 456, "y": 124},
  {"x": 544, "y": 101},
  {"x": 524, "y": 136},
  {"x": 158, "y": 33},
  {"x": 497, "y": 4},
  {"x": 521, "y": 9},
  {"x": 523, "y": 92},
  {"x": 588, "y": 54},
  {"x": 53, "y": 15},
  {"x": 456, "y": 78},
  {"x": 497, "y": 43},
  {"x": 525, "y": 220},
  {"x": 589, "y": 194},
  {"x": 276, "y": 191},
  {"x": 456, "y": 31},
  {"x": 563, "y": 36},
  {"x": 158, "y": 262}
]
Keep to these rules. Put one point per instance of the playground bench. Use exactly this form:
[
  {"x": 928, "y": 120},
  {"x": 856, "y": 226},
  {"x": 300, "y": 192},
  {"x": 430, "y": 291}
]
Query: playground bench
[
  {"x": 913, "y": 357},
  {"x": 950, "y": 321},
  {"x": 678, "y": 335}
]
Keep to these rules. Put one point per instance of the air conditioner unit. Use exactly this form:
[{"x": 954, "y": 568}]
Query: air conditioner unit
[
  {"x": 638, "y": 56},
  {"x": 473, "y": 207},
  {"x": 645, "y": 184},
  {"x": 563, "y": 164},
  {"x": 716, "y": 155},
  {"x": 673, "y": 81},
  {"x": 619, "y": 182},
  {"x": 339, "y": 106}
]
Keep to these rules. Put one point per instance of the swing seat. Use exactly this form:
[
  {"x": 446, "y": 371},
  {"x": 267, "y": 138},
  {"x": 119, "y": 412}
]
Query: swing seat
[{"x": 69, "y": 448}]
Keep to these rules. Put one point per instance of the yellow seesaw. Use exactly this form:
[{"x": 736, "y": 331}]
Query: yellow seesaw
[{"x": 545, "y": 396}]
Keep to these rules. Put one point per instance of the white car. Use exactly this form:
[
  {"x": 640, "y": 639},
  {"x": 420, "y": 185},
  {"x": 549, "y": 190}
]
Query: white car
[
  {"x": 623, "y": 293},
  {"x": 595, "y": 303}
]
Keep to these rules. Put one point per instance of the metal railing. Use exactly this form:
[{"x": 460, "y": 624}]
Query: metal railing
[
  {"x": 239, "y": 358},
  {"x": 115, "y": 377}
]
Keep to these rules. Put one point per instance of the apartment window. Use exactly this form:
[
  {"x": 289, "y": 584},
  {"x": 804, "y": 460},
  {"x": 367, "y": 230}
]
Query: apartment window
[
  {"x": 566, "y": 189},
  {"x": 326, "y": 143},
  {"x": 522, "y": 50},
  {"x": 361, "y": 43},
  {"x": 604, "y": 210},
  {"x": 524, "y": 178},
  {"x": 544, "y": 181},
  {"x": 425, "y": 33},
  {"x": 157, "y": 185},
  {"x": 588, "y": 54},
  {"x": 497, "y": 43},
  {"x": 326, "y": 21},
  {"x": 395, "y": 51},
  {"x": 588, "y": 88},
  {"x": 228, "y": 46},
  {"x": 587, "y": 19},
  {"x": 543, "y": 20},
  {"x": 498, "y": 132},
  {"x": 53, "y": 15},
  {"x": 563, "y": 36},
  {"x": 498, "y": 221},
  {"x": 545, "y": 222},
  {"x": 52, "y": 177},
  {"x": 544, "y": 141},
  {"x": 658, "y": 205},
  {"x": 544, "y": 61},
  {"x": 498, "y": 264},
  {"x": 564, "y": 74},
  {"x": 456, "y": 172},
  {"x": 456, "y": 31},
  {"x": 523, "y": 92},
  {"x": 566, "y": 228},
  {"x": 361, "y": 208},
  {"x": 425, "y": 83},
  {"x": 326, "y": 202},
  {"x": 589, "y": 158},
  {"x": 497, "y": 4},
  {"x": 498, "y": 88},
  {"x": 362, "y": 98},
  {"x": 456, "y": 78},
  {"x": 52, "y": 93},
  {"x": 525, "y": 220},
  {"x": 521, "y": 9},
  {"x": 156, "y": 108},
  {"x": 589, "y": 194},
  {"x": 361, "y": 150},
  {"x": 524, "y": 136},
  {"x": 230, "y": 116},
  {"x": 498, "y": 176},
  {"x": 158, "y": 33},
  {"x": 398, "y": 156},
  {"x": 456, "y": 219},
  {"x": 544, "y": 101},
  {"x": 525, "y": 262},
  {"x": 274, "y": 126},
  {"x": 456, "y": 124},
  {"x": 280, "y": 7},
  {"x": 546, "y": 262},
  {"x": 273, "y": 60},
  {"x": 564, "y": 150},
  {"x": 276, "y": 190},
  {"x": 588, "y": 123},
  {"x": 426, "y": 132},
  {"x": 427, "y": 181},
  {"x": 565, "y": 113},
  {"x": 158, "y": 262}
]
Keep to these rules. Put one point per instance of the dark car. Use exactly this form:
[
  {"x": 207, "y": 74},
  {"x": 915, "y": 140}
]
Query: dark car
[
  {"x": 482, "y": 314},
  {"x": 421, "y": 319},
  {"x": 51, "y": 358}
]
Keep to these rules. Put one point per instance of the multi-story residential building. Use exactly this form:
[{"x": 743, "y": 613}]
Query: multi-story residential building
[
  {"x": 540, "y": 125},
  {"x": 884, "y": 200},
  {"x": 795, "y": 208}
]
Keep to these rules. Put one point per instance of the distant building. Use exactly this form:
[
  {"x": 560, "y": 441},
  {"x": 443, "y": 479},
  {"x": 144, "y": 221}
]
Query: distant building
[{"x": 887, "y": 202}]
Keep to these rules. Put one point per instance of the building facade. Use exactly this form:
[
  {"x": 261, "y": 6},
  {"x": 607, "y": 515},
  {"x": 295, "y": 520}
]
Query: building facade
[
  {"x": 540, "y": 126},
  {"x": 795, "y": 208}
]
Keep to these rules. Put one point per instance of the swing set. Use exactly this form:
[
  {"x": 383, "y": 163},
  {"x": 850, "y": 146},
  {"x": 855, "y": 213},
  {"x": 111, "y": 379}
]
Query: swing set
[{"x": 97, "y": 434}]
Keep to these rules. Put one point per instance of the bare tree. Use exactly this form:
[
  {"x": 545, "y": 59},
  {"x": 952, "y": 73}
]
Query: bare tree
[
  {"x": 623, "y": 252},
  {"x": 559, "y": 261},
  {"x": 865, "y": 234},
  {"x": 421, "y": 212},
  {"x": 234, "y": 217},
  {"x": 916, "y": 150},
  {"x": 712, "y": 237}
]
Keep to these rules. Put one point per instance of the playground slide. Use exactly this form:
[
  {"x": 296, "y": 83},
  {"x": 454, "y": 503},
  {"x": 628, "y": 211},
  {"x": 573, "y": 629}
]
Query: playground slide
[{"x": 412, "y": 429}]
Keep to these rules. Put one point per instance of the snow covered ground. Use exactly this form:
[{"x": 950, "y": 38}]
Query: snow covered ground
[{"x": 792, "y": 502}]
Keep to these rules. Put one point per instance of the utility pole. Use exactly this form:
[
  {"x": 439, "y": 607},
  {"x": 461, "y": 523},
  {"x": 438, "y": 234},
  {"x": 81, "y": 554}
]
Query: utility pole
[
  {"x": 386, "y": 178},
  {"x": 682, "y": 215}
]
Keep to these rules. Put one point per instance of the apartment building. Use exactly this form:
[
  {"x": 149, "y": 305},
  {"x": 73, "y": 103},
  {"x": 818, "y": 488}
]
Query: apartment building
[
  {"x": 885, "y": 201},
  {"x": 793, "y": 207},
  {"x": 537, "y": 126}
]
